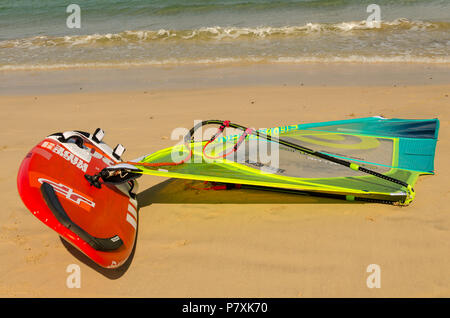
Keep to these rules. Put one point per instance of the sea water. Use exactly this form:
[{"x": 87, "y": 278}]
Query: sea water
[{"x": 38, "y": 34}]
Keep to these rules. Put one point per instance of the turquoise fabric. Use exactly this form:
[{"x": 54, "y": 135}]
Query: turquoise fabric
[
  {"x": 417, "y": 154},
  {"x": 417, "y": 137}
]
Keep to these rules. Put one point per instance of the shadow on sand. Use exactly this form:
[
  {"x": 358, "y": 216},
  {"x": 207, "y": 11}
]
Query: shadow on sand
[
  {"x": 111, "y": 273},
  {"x": 179, "y": 191},
  {"x": 197, "y": 192}
]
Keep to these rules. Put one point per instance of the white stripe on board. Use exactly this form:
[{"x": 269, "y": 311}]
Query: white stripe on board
[
  {"x": 131, "y": 220},
  {"x": 132, "y": 210}
]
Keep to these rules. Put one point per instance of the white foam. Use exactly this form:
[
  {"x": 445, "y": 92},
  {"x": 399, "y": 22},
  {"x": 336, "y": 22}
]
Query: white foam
[
  {"x": 231, "y": 60},
  {"x": 219, "y": 33}
]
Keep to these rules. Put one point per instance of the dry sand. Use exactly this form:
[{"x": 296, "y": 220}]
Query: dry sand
[{"x": 240, "y": 243}]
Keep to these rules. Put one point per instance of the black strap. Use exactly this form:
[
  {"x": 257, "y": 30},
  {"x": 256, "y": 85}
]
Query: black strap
[{"x": 99, "y": 244}]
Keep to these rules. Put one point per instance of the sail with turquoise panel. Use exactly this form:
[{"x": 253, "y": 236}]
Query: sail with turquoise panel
[{"x": 370, "y": 159}]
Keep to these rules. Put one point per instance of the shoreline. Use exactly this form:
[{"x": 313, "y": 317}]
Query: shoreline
[{"x": 150, "y": 78}]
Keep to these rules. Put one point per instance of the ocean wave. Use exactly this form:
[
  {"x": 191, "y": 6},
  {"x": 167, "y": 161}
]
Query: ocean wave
[
  {"x": 232, "y": 60},
  {"x": 218, "y": 33}
]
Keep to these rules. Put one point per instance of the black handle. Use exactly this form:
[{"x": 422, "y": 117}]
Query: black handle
[{"x": 99, "y": 244}]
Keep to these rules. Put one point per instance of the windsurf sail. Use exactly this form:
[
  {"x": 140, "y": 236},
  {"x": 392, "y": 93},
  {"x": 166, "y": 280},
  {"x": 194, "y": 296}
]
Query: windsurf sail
[{"x": 369, "y": 159}]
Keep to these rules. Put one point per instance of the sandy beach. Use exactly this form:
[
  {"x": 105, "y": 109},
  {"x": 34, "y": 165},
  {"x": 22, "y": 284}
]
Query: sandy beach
[{"x": 240, "y": 243}]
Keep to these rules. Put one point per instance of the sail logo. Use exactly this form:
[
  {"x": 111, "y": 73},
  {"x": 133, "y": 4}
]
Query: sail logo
[{"x": 69, "y": 194}]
